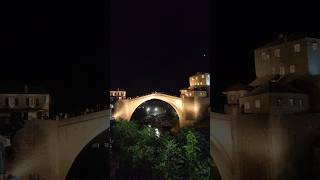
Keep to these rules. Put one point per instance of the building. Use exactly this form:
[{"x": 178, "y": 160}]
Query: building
[
  {"x": 199, "y": 86},
  {"x": 197, "y": 96},
  {"x": 199, "y": 79},
  {"x": 33, "y": 103},
  {"x": 293, "y": 54},
  {"x": 287, "y": 79},
  {"x": 116, "y": 95}
]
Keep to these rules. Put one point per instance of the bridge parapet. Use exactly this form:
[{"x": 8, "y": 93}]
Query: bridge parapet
[{"x": 84, "y": 117}]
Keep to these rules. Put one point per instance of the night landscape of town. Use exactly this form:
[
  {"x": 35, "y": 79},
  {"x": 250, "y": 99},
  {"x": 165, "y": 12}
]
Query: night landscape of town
[{"x": 159, "y": 90}]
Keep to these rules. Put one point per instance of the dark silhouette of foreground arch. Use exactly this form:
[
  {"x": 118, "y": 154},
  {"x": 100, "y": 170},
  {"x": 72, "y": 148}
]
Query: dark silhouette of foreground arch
[{"x": 221, "y": 159}]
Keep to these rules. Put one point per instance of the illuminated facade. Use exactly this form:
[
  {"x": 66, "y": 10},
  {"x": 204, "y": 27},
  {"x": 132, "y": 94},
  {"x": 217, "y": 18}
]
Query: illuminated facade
[
  {"x": 116, "y": 95},
  {"x": 288, "y": 55},
  {"x": 287, "y": 79},
  {"x": 27, "y": 103},
  {"x": 199, "y": 79},
  {"x": 199, "y": 86}
]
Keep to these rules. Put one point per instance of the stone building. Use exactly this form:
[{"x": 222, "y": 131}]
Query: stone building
[
  {"x": 197, "y": 96},
  {"x": 115, "y": 95},
  {"x": 287, "y": 79},
  {"x": 29, "y": 103}
]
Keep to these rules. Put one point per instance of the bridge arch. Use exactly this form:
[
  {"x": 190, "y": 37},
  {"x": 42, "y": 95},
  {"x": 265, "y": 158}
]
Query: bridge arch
[
  {"x": 74, "y": 135},
  {"x": 221, "y": 159},
  {"x": 125, "y": 108}
]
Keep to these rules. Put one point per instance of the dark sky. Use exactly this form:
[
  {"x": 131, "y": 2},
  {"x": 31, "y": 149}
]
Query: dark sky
[
  {"x": 238, "y": 28},
  {"x": 157, "y": 45},
  {"x": 58, "y": 45}
]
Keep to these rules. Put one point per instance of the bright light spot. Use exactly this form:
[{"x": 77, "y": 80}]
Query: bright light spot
[
  {"x": 156, "y": 109},
  {"x": 148, "y": 109},
  {"x": 149, "y": 125},
  {"x": 157, "y": 132}
]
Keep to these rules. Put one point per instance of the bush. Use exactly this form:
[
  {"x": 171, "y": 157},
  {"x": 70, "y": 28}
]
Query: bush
[{"x": 184, "y": 156}]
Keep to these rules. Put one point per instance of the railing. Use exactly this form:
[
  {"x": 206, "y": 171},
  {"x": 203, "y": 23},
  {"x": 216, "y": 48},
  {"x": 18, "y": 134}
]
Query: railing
[{"x": 79, "y": 113}]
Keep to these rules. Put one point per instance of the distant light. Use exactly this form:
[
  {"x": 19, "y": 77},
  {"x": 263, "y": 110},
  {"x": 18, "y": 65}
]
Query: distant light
[
  {"x": 157, "y": 132},
  {"x": 204, "y": 55},
  {"x": 156, "y": 109},
  {"x": 148, "y": 109}
]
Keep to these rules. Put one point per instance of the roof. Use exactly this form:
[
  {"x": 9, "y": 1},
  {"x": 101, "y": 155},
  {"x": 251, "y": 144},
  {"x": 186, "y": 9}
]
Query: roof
[
  {"x": 237, "y": 87},
  {"x": 20, "y": 89},
  {"x": 274, "y": 87},
  {"x": 199, "y": 88},
  {"x": 284, "y": 38},
  {"x": 262, "y": 80}
]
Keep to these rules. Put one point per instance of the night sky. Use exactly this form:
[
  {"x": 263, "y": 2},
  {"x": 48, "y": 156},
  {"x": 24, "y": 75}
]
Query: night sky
[
  {"x": 238, "y": 28},
  {"x": 58, "y": 45},
  {"x": 157, "y": 45}
]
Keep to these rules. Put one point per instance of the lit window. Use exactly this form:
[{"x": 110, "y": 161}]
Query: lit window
[
  {"x": 297, "y": 48},
  {"x": 278, "y": 102},
  {"x": 265, "y": 56},
  {"x": 247, "y": 105},
  {"x": 282, "y": 70},
  {"x": 257, "y": 103},
  {"x": 291, "y": 102},
  {"x": 292, "y": 68},
  {"x": 202, "y": 76},
  {"x": 277, "y": 53},
  {"x": 314, "y": 46}
]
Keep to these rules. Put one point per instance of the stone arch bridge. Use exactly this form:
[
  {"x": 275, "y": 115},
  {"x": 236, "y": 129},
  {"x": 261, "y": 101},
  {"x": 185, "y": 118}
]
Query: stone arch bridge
[
  {"x": 47, "y": 148},
  {"x": 270, "y": 146}
]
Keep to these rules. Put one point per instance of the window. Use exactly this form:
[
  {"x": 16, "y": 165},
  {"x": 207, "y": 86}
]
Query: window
[
  {"x": 314, "y": 46},
  {"x": 27, "y": 102},
  {"x": 202, "y": 76},
  {"x": 278, "y": 102},
  {"x": 6, "y": 101},
  {"x": 300, "y": 102},
  {"x": 277, "y": 53},
  {"x": 291, "y": 102},
  {"x": 257, "y": 103},
  {"x": 297, "y": 48},
  {"x": 265, "y": 56},
  {"x": 16, "y": 101},
  {"x": 37, "y": 102},
  {"x": 273, "y": 70},
  {"x": 292, "y": 68},
  {"x": 282, "y": 70},
  {"x": 246, "y": 105}
]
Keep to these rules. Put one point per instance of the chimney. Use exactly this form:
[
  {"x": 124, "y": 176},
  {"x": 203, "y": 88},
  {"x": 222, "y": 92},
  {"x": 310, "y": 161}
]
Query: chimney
[{"x": 26, "y": 90}]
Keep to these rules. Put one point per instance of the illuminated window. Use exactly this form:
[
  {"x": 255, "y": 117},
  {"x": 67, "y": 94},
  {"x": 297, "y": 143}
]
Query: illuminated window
[
  {"x": 292, "y": 68},
  {"x": 202, "y": 76},
  {"x": 257, "y": 103},
  {"x": 291, "y": 102},
  {"x": 314, "y": 46},
  {"x": 265, "y": 56},
  {"x": 297, "y": 48},
  {"x": 277, "y": 53},
  {"x": 246, "y": 105},
  {"x": 278, "y": 102}
]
